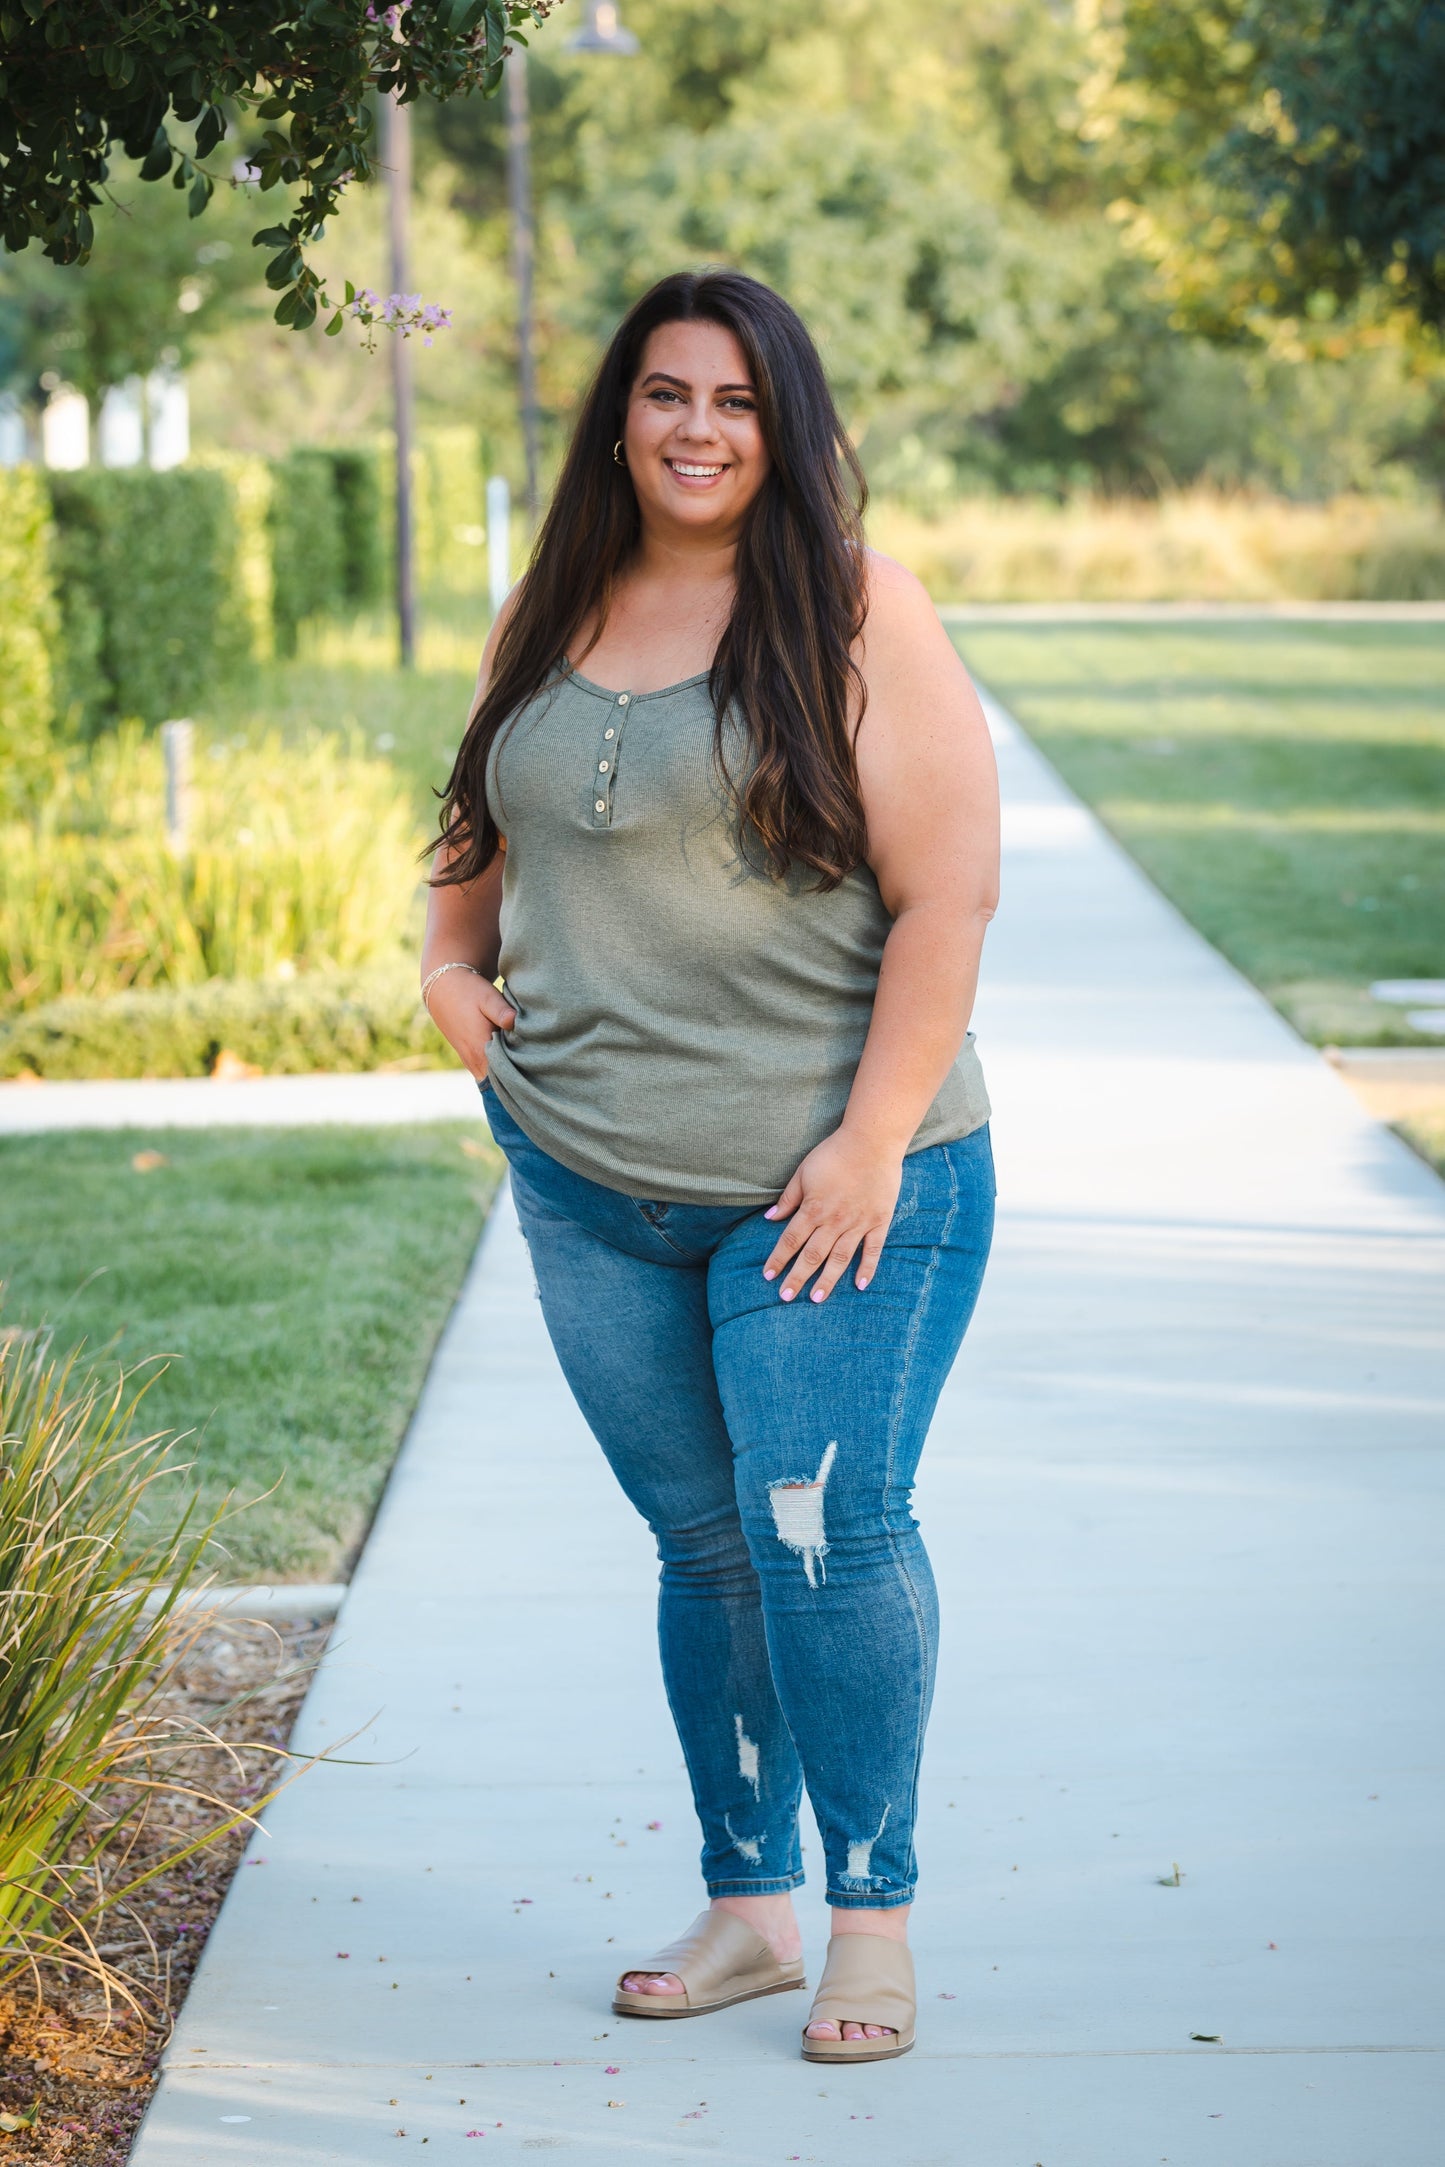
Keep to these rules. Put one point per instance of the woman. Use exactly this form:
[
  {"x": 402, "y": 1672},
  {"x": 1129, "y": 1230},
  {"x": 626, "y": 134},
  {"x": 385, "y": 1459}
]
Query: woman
[{"x": 735, "y": 880}]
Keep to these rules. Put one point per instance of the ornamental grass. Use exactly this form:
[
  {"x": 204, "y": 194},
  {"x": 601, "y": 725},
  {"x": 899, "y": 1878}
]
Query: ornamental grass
[
  {"x": 296, "y": 859},
  {"x": 93, "y": 1565},
  {"x": 1191, "y": 545}
]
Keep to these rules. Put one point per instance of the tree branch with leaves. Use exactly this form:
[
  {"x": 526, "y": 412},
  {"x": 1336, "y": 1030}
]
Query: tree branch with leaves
[{"x": 294, "y": 82}]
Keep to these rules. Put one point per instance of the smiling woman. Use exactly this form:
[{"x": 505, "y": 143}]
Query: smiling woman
[
  {"x": 767, "y": 566},
  {"x": 735, "y": 881},
  {"x": 671, "y": 416}
]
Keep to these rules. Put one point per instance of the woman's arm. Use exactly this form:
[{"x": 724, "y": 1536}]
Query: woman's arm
[
  {"x": 930, "y": 792},
  {"x": 463, "y": 925}
]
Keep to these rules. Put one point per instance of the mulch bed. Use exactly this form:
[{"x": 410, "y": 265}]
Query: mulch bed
[{"x": 90, "y": 2069}]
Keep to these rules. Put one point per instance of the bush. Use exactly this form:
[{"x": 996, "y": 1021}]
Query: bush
[
  {"x": 356, "y": 479},
  {"x": 307, "y": 548},
  {"x": 449, "y": 496},
  {"x": 81, "y": 688},
  {"x": 253, "y": 598},
  {"x": 89, "y": 1642},
  {"x": 299, "y": 857},
  {"x": 343, "y": 1024},
  {"x": 28, "y": 625},
  {"x": 147, "y": 575}
]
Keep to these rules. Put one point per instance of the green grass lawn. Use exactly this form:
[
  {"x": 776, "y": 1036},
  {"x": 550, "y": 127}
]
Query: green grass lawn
[
  {"x": 297, "y": 1281},
  {"x": 1284, "y": 784}
]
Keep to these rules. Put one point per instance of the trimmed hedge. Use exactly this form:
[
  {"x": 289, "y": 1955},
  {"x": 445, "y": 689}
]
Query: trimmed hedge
[
  {"x": 449, "y": 502},
  {"x": 28, "y": 625},
  {"x": 251, "y": 483},
  {"x": 308, "y": 554},
  {"x": 346, "y": 1023},
  {"x": 146, "y": 570},
  {"x": 356, "y": 479},
  {"x": 125, "y": 592}
]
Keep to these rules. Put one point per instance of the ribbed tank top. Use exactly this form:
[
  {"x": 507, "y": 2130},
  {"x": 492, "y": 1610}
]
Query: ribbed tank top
[{"x": 688, "y": 1028}]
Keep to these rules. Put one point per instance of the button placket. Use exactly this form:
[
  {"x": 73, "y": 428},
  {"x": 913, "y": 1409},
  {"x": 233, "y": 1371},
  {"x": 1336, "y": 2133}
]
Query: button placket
[{"x": 605, "y": 767}]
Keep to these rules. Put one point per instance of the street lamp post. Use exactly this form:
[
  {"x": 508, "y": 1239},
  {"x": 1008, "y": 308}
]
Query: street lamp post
[{"x": 602, "y": 32}]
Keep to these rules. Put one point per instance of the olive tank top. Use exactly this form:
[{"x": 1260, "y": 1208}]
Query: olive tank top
[{"x": 688, "y": 1027}]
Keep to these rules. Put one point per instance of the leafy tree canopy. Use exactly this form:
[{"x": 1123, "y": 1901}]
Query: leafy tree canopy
[
  {"x": 924, "y": 178},
  {"x": 1277, "y": 157},
  {"x": 1346, "y": 146},
  {"x": 165, "y": 81},
  {"x": 158, "y": 285}
]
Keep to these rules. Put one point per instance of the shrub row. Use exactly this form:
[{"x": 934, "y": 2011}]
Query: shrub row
[
  {"x": 145, "y": 569},
  {"x": 28, "y": 627},
  {"x": 347, "y": 1022},
  {"x": 126, "y": 592},
  {"x": 327, "y": 549}
]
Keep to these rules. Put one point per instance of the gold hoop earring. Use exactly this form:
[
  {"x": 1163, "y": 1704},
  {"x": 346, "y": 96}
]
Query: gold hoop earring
[{"x": 617, "y": 459}]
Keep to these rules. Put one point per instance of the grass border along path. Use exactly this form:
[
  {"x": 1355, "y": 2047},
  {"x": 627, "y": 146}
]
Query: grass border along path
[
  {"x": 297, "y": 1280},
  {"x": 1282, "y": 782}
]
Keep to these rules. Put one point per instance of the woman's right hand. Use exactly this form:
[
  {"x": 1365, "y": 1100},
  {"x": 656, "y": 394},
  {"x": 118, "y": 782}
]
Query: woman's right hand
[{"x": 467, "y": 1008}]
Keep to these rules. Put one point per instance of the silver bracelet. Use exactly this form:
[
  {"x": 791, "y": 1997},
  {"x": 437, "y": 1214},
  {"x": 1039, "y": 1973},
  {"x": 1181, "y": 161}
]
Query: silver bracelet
[{"x": 432, "y": 976}]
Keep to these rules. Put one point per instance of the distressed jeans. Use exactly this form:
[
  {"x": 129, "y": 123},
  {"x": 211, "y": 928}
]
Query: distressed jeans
[{"x": 771, "y": 1448}]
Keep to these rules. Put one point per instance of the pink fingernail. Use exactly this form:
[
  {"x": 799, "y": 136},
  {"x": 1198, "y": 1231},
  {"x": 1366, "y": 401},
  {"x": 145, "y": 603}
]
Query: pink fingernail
[
  {"x": 819, "y": 1295},
  {"x": 771, "y": 1212},
  {"x": 788, "y": 1293},
  {"x": 861, "y": 1284},
  {"x": 768, "y": 1272}
]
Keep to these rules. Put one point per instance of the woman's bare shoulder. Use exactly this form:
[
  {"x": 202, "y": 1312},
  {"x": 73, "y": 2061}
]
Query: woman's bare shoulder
[
  {"x": 891, "y": 585},
  {"x": 902, "y": 626}
]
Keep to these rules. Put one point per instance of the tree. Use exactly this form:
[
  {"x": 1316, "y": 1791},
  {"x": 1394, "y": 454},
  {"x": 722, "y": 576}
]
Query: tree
[
  {"x": 157, "y": 286},
  {"x": 1344, "y": 146},
  {"x": 165, "y": 82},
  {"x": 1277, "y": 157}
]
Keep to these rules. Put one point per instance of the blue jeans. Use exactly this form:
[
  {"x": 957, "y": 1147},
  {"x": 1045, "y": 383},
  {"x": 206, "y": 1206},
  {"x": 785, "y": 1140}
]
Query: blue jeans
[{"x": 771, "y": 1447}]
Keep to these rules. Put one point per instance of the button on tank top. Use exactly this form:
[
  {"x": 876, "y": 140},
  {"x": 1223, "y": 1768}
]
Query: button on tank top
[{"x": 688, "y": 1027}]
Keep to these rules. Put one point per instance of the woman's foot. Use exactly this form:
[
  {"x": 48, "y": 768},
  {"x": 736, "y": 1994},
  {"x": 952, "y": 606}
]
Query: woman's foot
[
  {"x": 892, "y": 1925},
  {"x": 770, "y": 1916}
]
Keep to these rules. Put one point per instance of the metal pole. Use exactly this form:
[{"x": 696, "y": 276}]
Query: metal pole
[
  {"x": 519, "y": 191},
  {"x": 499, "y": 569},
  {"x": 396, "y": 153},
  {"x": 177, "y": 739}
]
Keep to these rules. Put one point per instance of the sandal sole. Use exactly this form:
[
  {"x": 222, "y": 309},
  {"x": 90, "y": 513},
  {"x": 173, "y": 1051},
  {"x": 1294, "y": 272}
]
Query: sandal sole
[
  {"x": 655, "y": 2005},
  {"x": 822, "y": 2050}
]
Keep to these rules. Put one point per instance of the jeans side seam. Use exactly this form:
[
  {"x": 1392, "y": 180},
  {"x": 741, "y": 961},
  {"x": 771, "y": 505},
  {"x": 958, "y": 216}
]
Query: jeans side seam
[{"x": 900, "y": 1568}]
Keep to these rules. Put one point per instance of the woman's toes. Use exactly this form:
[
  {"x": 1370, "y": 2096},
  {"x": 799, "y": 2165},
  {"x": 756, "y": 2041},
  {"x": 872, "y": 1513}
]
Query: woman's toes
[
  {"x": 822, "y": 2031},
  {"x": 657, "y": 1982}
]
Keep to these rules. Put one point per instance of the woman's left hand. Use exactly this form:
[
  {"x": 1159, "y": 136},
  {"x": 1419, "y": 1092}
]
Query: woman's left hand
[{"x": 844, "y": 1193}]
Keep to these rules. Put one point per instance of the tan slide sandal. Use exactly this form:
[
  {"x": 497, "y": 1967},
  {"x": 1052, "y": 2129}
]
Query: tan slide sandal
[
  {"x": 719, "y": 1961},
  {"x": 866, "y": 1980}
]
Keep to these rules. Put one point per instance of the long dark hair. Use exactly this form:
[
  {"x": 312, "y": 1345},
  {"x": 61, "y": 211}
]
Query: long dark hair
[{"x": 783, "y": 664}]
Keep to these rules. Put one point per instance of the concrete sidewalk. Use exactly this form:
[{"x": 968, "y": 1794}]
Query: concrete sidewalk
[
  {"x": 1165, "y": 613},
  {"x": 1183, "y": 1497},
  {"x": 261, "y": 1102}
]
